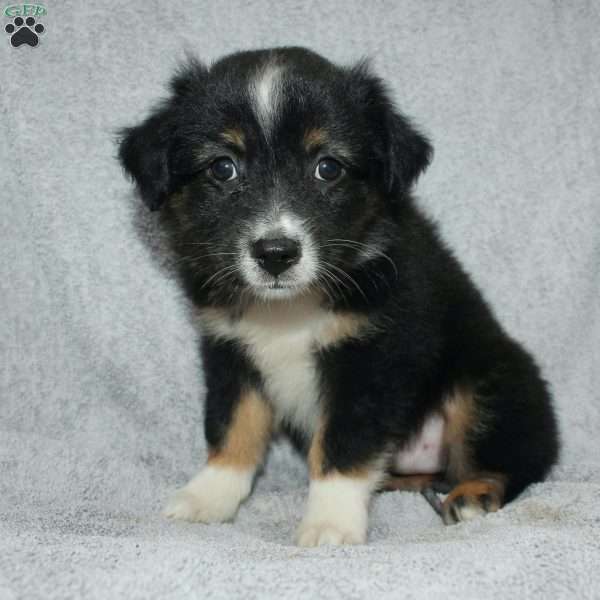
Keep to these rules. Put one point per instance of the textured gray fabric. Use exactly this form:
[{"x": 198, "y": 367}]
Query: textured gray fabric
[{"x": 100, "y": 412}]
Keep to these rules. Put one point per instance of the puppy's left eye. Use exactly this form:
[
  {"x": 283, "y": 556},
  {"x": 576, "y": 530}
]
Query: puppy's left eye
[
  {"x": 223, "y": 169},
  {"x": 328, "y": 169}
]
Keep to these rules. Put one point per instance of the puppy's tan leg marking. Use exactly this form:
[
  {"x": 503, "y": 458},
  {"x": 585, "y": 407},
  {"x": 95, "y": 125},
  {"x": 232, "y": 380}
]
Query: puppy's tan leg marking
[
  {"x": 337, "y": 506},
  {"x": 411, "y": 483},
  {"x": 459, "y": 413},
  {"x": 475, "y": 493},
  {"x": 315, "y": 453},
  {"x": 215, "y": 494},
  {"x": 473, "y": 498},
  {"x": 247, "y": 436}
]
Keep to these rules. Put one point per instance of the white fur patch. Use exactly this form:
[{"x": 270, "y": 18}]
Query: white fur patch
[
  {"x": 469, "y": 512},
  {"x": 281, "y": 338},
  {"x": 424, "y": 453},
  {"x": 337, "y": 511},
  {"x": 265, "y": 90},
  {"x": 295, "y": 279},
  {"x": 212, "y": 496}
]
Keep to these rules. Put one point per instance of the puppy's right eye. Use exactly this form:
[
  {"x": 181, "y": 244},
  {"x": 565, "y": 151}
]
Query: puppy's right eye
[
  {"x": 223, "y": 169},
  {"x": 328, "y": 169}
]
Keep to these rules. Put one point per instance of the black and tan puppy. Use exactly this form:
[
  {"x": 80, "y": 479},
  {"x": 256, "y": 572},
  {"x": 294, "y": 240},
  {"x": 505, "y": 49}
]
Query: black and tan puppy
[{"x": 328, "y": 305}]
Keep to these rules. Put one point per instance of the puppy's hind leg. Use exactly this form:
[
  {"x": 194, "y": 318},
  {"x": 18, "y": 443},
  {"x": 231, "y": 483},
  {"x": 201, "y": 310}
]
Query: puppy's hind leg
[
  {"x": 501, "y": 436},
  {"x": 473, "y": 498},
  {"x": 429, "y": 485}
]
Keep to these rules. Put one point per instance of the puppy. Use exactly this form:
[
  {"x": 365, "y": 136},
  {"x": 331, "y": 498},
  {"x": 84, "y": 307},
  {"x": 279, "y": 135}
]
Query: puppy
[{"x": 329, "y": 307}]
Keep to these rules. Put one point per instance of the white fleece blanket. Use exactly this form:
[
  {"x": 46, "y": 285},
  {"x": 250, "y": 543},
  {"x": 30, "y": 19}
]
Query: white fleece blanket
[{"x": 100, "y": 383}]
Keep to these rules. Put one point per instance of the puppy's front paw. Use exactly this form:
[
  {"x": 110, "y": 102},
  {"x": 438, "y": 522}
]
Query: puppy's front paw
[
  {"x": 319, "y": 534},
  {"x": 213, "y": 496},
  {"x": 336, "y": 513},
  {"x": 201, "y": 507}
]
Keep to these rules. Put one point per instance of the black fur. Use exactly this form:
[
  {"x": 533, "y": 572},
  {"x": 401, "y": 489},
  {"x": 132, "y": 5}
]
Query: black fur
[
  {"x": 222, "y": 359},
  {"x": 432, "y": 328}
]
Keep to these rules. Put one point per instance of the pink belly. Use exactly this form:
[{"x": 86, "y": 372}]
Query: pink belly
[{"x": 425, "y": 453}]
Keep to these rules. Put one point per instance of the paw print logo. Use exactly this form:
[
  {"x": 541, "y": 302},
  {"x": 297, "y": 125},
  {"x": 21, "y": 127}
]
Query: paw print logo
[{"x": 24, "y": 31}]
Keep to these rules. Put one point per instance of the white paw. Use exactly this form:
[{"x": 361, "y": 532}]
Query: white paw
[
  {"x": 336, "y": 512},
  {"x": 213, "y": 496},
  {"x": 202, "y": 508},
  {"x": 469, "y": 512},
  {"x": 460, "y": 513},
  {"x": 320, "y": 534}
]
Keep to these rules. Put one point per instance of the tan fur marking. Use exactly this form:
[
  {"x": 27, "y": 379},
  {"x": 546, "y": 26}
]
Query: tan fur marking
[
  {"x": 459, "y": 412},
  {"x": 313, "y": 138},
  {"x": 475, "y": 488},
  {"x": 235, "y": 137},
  {"x": 412, "y": 483},
  {"x": 315, "y": 453},
  {"x": 345, "y": 325},
  {"x": 247, "y": 436},
  {"x": 483, "y": 494}
]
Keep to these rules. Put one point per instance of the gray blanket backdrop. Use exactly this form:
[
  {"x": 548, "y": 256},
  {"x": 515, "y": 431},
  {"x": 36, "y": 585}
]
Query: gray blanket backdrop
[{"x": 100, "y": 384}]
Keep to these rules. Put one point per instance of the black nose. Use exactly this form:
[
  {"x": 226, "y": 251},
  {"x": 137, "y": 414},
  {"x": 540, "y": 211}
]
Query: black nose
[{"x": 276, "y": 256}]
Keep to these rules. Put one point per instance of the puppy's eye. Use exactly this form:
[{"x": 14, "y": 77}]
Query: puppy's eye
[
  {"x": 328, "y": 169},
  {"x": 223, "y": 169}
]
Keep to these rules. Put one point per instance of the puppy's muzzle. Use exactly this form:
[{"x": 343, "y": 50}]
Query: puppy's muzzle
[{"x": 276, "y": 255}]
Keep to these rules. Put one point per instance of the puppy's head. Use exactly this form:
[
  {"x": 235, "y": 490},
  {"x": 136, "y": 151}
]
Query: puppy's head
[{"x": 277, "y": 171}]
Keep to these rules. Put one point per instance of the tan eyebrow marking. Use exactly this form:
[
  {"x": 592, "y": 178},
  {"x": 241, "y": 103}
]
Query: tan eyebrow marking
[
  {"x": 314, "y": 137},
  {"x": 235, "y": 136}
]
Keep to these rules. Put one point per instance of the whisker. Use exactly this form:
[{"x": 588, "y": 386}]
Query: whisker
[
  {"x": 335, "y": 280},
  {"x": 195, "y": 243},
  {"x": 353, "y": 244},
  {"x": 324, "y": 288},
  {"x": 325, "y": 278},
  {"x": 220, "y": 271},
  {"x": 328, "y": 279},
  {"x": 345, "y": 274},
  {"x": 195, "y": 259},
  {"x": 226, "y": 276}
]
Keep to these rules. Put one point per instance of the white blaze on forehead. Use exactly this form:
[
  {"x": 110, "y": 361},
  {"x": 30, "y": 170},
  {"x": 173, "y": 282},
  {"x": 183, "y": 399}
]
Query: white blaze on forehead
[{"x": 265, "y": 90}]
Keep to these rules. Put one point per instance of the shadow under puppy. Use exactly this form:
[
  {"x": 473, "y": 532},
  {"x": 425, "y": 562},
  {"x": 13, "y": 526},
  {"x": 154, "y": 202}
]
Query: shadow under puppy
[{"x": 328, "y": 305}]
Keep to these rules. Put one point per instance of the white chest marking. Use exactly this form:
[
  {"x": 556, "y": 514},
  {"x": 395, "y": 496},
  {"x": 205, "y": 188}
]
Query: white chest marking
[{"x": 281, "y": 338}]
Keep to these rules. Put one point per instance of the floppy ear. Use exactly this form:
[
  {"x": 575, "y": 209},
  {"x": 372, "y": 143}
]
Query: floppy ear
[
  {"x": 401, "y": 151},
  {"x": 143, "y": 152},
  {"x": 408, "y": 152}
]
